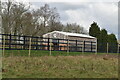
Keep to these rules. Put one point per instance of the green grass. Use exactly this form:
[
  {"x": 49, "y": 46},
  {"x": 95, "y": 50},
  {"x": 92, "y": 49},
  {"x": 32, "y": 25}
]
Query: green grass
[
  {"x": 17, "y": 64},
  {"x": 46, "y": 53}
]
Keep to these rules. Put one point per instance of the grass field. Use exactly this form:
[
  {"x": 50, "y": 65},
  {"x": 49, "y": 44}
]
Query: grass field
[
  {"x": 17, "y": 64},
  {"x": 47, "y": 53}
]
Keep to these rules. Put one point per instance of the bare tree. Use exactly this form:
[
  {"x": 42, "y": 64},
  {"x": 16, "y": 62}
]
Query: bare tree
[
  {"x": 12, "y": 16},
  {"x": 6, "y": 17},
  {"x": 54, "y": 22},
  {"x": 19, "y": 19},
  {"x": 47, "y": 20},
  {"x": 74, "y": 28},
  {"x": 44, "y": 13},
  {"x": 27, "y": 24},
  {"x": 57, "y": 26},
  {"x": 18, "y": 10}
]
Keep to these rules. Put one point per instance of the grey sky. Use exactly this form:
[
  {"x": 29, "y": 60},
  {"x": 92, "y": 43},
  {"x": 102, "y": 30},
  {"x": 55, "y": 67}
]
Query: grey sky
[{"x": 84, "y": 13}]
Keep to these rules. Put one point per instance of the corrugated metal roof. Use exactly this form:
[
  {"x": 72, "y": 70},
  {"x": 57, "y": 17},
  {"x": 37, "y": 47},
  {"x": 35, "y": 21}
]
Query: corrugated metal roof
[{"x": 71, "y": 34}]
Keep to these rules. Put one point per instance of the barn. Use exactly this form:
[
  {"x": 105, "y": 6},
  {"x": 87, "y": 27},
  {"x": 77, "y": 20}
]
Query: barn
[{"x": 71, "y": 39}]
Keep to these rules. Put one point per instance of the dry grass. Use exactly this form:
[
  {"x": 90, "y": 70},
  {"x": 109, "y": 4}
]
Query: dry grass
[{"x": 83, "y": 66}]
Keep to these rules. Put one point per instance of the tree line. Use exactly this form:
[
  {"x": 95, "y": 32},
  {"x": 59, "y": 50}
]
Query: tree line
[
  {"x": 104, "y": 39},
  {"x": 21, "y": 19}
]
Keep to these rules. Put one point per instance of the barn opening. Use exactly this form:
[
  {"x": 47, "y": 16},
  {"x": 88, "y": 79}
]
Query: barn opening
[{"x": 55, "y": 44}]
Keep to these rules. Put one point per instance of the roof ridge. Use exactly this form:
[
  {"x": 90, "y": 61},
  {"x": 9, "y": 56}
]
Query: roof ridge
[{"x": 72, "y": 34}]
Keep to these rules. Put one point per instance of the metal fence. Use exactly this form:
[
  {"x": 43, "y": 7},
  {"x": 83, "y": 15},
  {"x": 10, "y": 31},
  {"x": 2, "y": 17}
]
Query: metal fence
[{"x": 18, "y": 42}]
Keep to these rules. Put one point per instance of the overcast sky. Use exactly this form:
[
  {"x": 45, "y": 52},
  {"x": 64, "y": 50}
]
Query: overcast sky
[{"x": 84, "y": 12}]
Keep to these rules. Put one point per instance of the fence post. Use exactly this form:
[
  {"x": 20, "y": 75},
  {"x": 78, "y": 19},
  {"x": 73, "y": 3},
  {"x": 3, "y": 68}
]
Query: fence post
[
  {"x": 96, "y": 47},
  {"x": 107, "y": 47},
  {"x": 24, "y": 43},
  {"x": 36, "y": 43},
  {"x": 30, "y": 47},
  {"x": 68, "y": 46},
  {"x": 76, "y": 45},
  {"x": 118, "y": 48},
  {"x": 3, "y": 45},
  {"x": 91, "y": 46},
  {"x": 10, "y": 42},
  {"x": 58, "y": 45},
  {"x": 83, "y": 46},
  {"x": 48, "y": 44}
]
